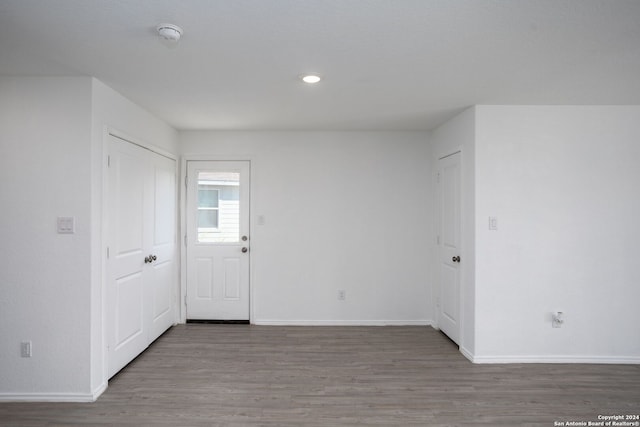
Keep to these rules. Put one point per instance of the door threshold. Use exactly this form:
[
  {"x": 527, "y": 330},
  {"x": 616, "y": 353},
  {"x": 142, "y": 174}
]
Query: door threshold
[{"x": 219, "y": 321}]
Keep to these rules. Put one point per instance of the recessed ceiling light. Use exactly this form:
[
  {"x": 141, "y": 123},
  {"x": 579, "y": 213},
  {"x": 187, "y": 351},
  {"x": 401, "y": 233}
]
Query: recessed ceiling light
[
  {"x": 169, "y": 32},
  {"x": 310, "y": 78}
]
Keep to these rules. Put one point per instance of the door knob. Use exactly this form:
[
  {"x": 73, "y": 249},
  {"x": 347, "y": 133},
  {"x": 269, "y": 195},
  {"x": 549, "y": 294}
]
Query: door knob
[
  {"x": 245, "y": 238},
  {"x": 456, "y": 258},
  {"x": 147, "y": 259},
  {"x": 244, "y": 250}
]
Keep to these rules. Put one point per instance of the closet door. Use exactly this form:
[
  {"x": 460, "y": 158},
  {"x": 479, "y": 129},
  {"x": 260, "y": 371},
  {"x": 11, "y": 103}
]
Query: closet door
[
  {"x": 141, "y": 250},
  {"x": 161, "y": 279}
]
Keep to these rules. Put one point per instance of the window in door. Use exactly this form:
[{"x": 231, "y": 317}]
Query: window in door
[
  {"x": 208, "y": 206},
  {"x": 218, "y": 207}
]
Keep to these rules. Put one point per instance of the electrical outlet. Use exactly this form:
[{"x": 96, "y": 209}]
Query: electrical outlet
[
  {"x": 342, "y": 295},
  {"x": 25, "y": 349}
]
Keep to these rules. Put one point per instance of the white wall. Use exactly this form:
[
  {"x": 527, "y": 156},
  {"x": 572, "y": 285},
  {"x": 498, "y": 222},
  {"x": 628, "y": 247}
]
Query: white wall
[
  {"x": 343, "y": 210},
  {"x": 51, "y": 284},
  {"x": 563, "y": 182},
  {"x": 116, "y": 112},
  {"x": 458, "y": 134},
  {"x": 45, "y": 172}
]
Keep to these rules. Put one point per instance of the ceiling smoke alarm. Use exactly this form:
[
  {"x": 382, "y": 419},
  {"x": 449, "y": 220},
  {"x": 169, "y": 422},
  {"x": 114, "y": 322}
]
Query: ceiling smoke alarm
[{"x": 169, "y": 32}]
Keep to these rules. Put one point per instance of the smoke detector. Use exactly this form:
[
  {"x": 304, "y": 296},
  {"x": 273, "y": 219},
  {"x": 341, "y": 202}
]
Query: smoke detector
[{"x": 169, "y": 32}]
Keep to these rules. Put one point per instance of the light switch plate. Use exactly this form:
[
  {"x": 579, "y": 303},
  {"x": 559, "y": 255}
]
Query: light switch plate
[
  {"x": 493, "y": 223},
  {"x": 25, "y": 349},
  {"x": 66, "y": 225}
]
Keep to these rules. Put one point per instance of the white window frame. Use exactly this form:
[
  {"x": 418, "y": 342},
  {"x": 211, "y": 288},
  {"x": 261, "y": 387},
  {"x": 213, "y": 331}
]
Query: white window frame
[{"x": 210, "y": 229}]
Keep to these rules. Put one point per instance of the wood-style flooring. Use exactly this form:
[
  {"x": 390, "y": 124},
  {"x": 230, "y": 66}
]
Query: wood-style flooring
[{"x": 240, "y": 375}]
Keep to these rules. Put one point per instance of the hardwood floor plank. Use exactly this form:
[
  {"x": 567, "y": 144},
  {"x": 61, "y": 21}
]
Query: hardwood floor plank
[{"x": 237, "y": 375}]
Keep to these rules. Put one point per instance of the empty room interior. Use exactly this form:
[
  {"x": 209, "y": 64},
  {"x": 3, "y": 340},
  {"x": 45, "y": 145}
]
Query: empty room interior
[{"x": 337, "y": 212}]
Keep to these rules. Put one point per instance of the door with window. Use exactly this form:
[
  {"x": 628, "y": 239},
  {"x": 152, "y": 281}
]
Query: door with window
[{"x": 218, "y": 240}]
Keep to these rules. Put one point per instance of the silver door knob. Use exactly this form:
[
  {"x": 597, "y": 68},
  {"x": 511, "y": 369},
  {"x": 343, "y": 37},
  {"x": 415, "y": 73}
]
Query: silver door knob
[
  {"x": 456, "y": 258},
  {"x": 244, "y": 250}
]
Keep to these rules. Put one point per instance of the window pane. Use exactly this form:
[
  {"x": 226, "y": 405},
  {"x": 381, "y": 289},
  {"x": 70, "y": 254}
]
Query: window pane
[
  {"x": 218, "y": 207},
  {"x": 207, "y": 218},
  {"x": 207, "y": 196}
]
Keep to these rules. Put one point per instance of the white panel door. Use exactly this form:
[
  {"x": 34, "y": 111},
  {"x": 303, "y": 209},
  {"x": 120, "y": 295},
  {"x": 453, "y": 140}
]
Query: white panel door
[
  {"x": 161, "y": 271},
  {"x": 127, "y": 203},
  {"x": 218, "y": 240},
  {"x": 141, "y": 226},
  {"x": 449, "y": 259}
]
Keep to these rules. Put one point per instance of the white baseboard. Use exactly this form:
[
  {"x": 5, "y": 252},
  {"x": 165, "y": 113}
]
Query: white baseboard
[
  {"x": 99, "y": 390},
  {"x": 46, "y": 397},
  {"x": 54, "y": 397},
  {"x": 271, "y": 322},
  {"x": 466, "y": 353},
  {"x": 616, "y": 360}
]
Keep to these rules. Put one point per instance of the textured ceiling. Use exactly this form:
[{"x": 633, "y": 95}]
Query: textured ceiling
[{"x": 388, "y": 64}]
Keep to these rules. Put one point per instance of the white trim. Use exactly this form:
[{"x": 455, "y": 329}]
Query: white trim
[
  {"x": 466, "y": 353},
  {"x": 99, "y": 390},
  {"x": 104, "y": 242},
  {"x": 182, "y": 227},
  {"x": 141, "y": 143},
  {"x": 191, "y": 157},
  {"x": 46, "y": 397},
  {"x": 54, "y": 397},
  {"x": 618, "y": 360},
  {"x": 271, "y": 322}
]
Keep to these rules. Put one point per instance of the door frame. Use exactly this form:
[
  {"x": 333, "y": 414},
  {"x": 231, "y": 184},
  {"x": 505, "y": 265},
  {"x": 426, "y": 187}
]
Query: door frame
[
  {"x": 108, "y": 131},
  {"x": 437, "y": 240},
  {"x": 182, "y": 191}
]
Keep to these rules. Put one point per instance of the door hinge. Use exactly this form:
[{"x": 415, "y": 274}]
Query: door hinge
[
  {"x": 186, "y": 181},
  {"x": 107, "y": 252},
  {"x": 185, "y": 300},
  {"x": 438, "y": 177},
  {"x": 108, "y": 161},
  {"x": 185, "y": 240},
  {"x": 438, "y": 239}
]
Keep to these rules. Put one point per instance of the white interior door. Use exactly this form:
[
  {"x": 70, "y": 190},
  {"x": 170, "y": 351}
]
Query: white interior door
[
  {"x": 161, "y": 271},
  {"x": 449, "y": 258},
  {"x": 218, "y": 240},
  {"x": 141, "y": 250}
]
